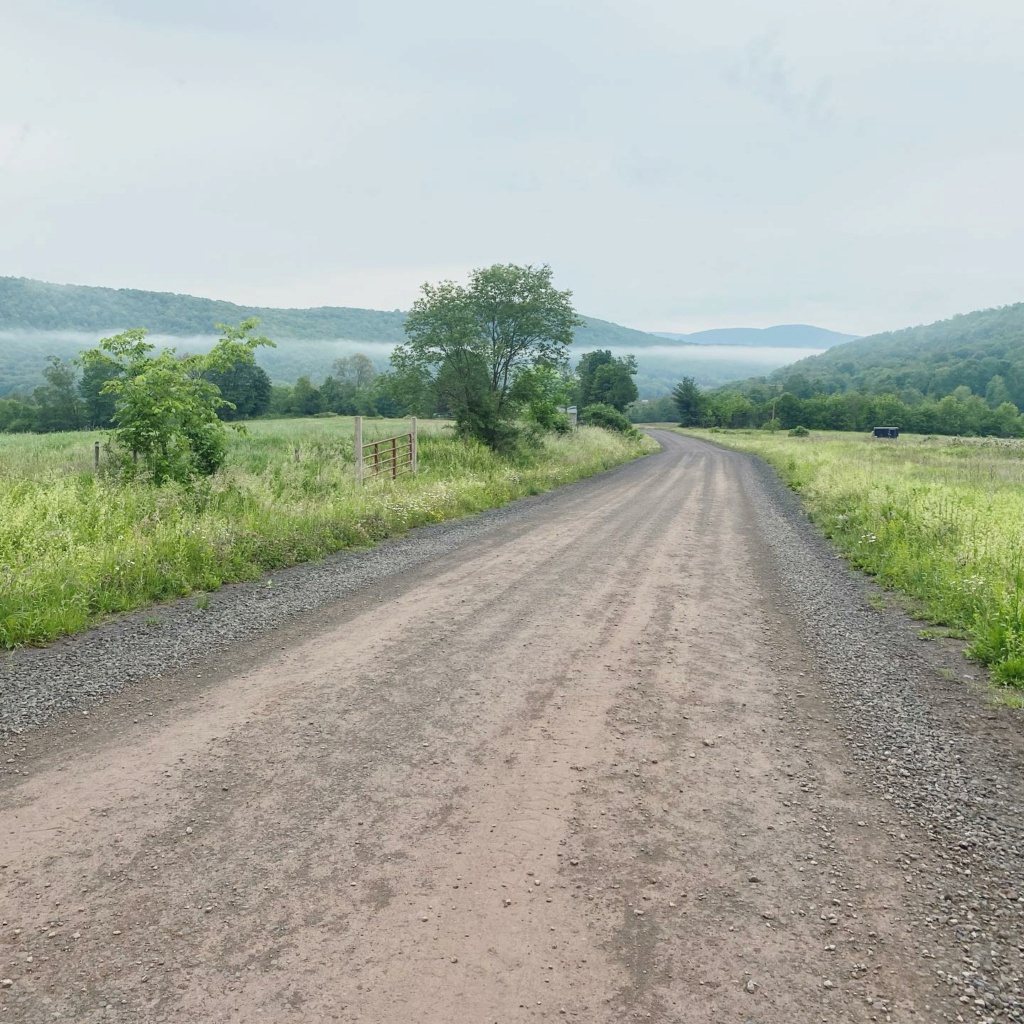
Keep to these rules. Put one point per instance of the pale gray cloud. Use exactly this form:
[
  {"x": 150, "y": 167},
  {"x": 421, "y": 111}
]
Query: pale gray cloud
[{"x": 680, "y": 165}]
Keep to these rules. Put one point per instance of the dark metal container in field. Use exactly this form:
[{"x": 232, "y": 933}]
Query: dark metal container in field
[{"x": 891, "y": 432}]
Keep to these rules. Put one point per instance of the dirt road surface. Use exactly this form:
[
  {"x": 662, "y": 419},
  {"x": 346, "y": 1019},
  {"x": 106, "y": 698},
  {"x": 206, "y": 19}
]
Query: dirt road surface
[{"x": 582, "y": 771}]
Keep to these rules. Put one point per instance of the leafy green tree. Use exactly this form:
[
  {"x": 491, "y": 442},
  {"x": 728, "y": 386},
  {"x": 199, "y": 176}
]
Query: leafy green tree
[
  {"x": 99, "y": 403},
  {"x": 787, "y": 410},
  {"x": 959, "y": 413},
  {"x": 543, "y": 391},
  {"x": 245, "y": 387},
  {"x": 332, "y": 397},
  {"x": 730, "y": 409},
  {"x": 614, "y": 384},
  {"x": 996, "y": 392},
  {"x": 586, "y": 369},
  {"x": 305, "y": 398},
  {"x": 888, "y": 411},
  {"x": 280, "y": 400},
  {"x": 652, "y": 410},
  {"x": 606, "y": 379},
  {"x": 351, "y": 391},
  {"x": 385, "y": 400},
  {"x": 166, "y": 410},
  {"x": 797, "y": 384},
  {"x": 690, "y": 402},
  {"x": 470, "y": 344},
  {"x": 18, "y": 416},
  {"x": 58, "y": 405},
  {"x": 1006, "y": 421},
  {"x": 357, "y": 370}
]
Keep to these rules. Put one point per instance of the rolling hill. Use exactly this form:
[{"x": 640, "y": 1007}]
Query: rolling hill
[
  {"x": 38, "y": 319},
  {"x": 27, "y": 305},
  {"x": 783, "y": 336},
  {"x": 983, "y": 351}
]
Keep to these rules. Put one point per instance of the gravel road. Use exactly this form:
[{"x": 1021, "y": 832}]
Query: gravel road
[{"x": 640, "y": 749}]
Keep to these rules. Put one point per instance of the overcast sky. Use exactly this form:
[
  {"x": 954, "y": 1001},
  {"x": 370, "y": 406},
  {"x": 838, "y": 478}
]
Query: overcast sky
[{"x": 858, "y": 164}]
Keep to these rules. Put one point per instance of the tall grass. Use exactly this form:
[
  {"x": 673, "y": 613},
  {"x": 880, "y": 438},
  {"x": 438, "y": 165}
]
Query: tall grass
[
  {"x": 940, "y": 519},
  {"x": 76, "y": 546}
]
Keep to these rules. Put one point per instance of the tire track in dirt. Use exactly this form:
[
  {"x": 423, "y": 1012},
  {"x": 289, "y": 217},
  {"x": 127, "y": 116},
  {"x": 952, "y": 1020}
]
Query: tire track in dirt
[{"x": 580, "y": 771}]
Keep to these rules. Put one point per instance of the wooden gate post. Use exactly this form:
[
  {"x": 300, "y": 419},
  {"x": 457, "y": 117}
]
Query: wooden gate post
[
  {"x": 415, "y": 445},
  {"x": 96, "y": 455},
  {"x": 359, "y": 449}
]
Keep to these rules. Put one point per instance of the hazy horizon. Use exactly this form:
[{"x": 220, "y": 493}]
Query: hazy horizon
[
  {"x": 681, "y": 167},
  {"x": 660, "y": 366}
]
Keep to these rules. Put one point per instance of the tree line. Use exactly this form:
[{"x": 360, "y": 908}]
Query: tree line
[
  {"x": 766, "y": 406},
  {"x": 77, "y": 394},
  {"x": 487, "y": 354},
  {"x": 982, "y": 351},
  {"x": 492, "y": 355},
  {"x": 30, "y": 305}
]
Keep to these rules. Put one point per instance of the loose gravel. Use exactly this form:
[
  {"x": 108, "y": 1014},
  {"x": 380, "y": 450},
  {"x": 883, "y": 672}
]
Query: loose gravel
[
  {"x": 939, "y": 750},
  {"x": 941, "y": 754},
  {"x": 73, "y": 674}
]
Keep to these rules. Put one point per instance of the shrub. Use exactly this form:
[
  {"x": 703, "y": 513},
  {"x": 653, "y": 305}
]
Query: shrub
[
  {"x": 799, "y": 431},
  {"x": 76, "y": 546},
  {"x": 605, "y": 416}
]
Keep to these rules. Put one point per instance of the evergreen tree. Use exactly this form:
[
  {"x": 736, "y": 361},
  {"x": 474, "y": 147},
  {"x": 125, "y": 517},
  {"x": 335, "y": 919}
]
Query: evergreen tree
[{"x": 690, "y": 402}]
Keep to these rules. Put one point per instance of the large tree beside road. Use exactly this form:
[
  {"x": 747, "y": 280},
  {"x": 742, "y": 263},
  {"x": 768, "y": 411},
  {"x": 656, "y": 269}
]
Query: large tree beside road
[
  {"x": 607, "y": 380},
  {"x": 469, "y": 345}
]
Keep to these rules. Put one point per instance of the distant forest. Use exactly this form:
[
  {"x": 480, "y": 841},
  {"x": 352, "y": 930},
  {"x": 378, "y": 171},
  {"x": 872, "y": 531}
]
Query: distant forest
[
  {"x": 982, "y": 351},
  {"x": 762, "y": 407},
  {"x": 960, "y": 376},
  {"x": 39, "y": 320},
  {"x": 976, "y": 361},
  {"x": 38, "y": 306},
  {"x": 783, "y": 336}
]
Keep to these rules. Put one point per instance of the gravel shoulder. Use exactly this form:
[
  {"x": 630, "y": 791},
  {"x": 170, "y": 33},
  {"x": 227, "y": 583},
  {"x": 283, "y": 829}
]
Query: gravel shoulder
[{"x": 636, "y": 749}]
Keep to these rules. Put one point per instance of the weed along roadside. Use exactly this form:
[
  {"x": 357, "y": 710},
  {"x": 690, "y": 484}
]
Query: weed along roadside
[
  {"x": 939, "y": 520},
  {"x": 77, "y": 545}
]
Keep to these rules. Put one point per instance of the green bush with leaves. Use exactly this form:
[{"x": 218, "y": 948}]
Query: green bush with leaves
[
  {"x": 166, "y": 409},
  {"x": 599, "y": 415},
  {"x": 76, "y": 546}
]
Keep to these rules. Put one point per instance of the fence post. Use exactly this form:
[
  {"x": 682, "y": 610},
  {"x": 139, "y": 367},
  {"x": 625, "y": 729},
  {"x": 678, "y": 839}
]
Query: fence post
[
  {"x": 394, "y": 458},
  {"x": 96, "y": 455},
  {"x": 415, "y": 445},
  {"x": 359, "y": 449}
]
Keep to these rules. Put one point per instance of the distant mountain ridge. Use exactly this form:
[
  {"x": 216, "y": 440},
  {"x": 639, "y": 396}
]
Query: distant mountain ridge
[
  {"x": 782, "y": 336},
  {"x": 29, "y": 305},
  {"x": 39, "y": 319},
  {"x": 983, "y": 351}
]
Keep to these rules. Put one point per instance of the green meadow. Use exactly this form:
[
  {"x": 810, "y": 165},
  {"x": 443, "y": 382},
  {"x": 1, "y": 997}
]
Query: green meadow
[
  {"x": 77, "y": 545},
  {"x": 940, "y": 519}
]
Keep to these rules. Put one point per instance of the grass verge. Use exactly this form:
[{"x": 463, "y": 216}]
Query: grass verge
[
  {"x": 75, "y": 547},
  {"x": 938, "y": 519}
]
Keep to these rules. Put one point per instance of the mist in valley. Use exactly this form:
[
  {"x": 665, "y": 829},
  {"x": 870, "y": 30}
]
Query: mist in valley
[{"x": 23, "y": 356}]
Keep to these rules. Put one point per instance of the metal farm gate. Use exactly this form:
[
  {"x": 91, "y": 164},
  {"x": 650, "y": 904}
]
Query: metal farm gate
[{"x": 390, "y": 456}]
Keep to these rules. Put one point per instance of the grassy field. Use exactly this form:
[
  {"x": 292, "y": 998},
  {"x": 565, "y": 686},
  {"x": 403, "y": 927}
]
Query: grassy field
[
  {"x": 938, "y": 519},
  {"x": 75, "y": 547}
]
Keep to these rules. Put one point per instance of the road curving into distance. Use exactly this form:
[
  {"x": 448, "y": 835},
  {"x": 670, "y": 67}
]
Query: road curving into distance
[{"x": 639, "y": 749}]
